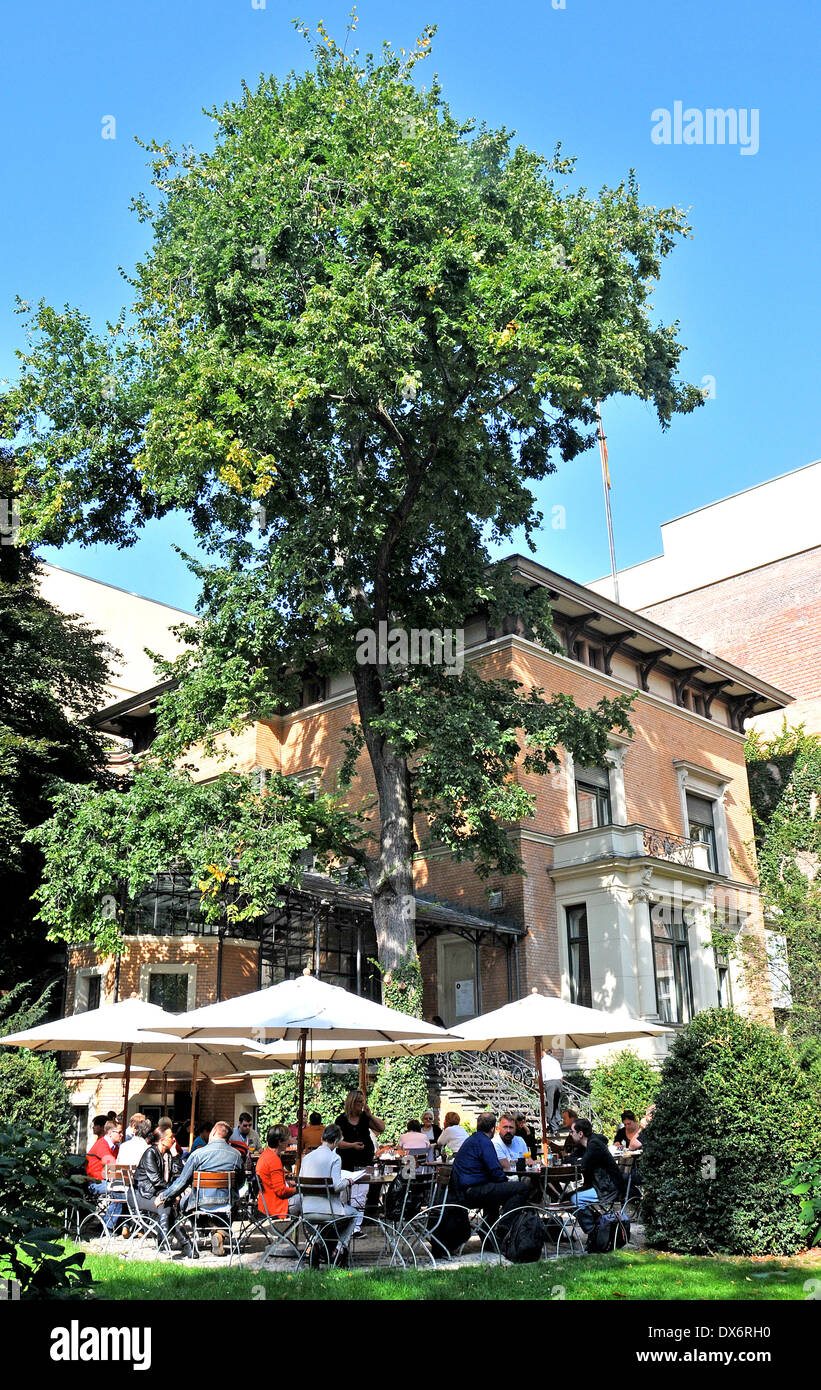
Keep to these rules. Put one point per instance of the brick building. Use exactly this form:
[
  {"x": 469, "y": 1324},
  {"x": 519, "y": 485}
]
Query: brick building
[
  {"x": 742, "y": 577},
  {"x": 628, "y": 865}
]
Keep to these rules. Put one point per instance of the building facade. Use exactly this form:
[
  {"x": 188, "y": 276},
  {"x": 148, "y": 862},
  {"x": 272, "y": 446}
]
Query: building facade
[
  {"x": 629, "y": 866},
  {"x": 742, "y": 577}
]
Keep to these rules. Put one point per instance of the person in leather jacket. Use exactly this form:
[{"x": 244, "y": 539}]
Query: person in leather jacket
[{"x": 156, "y": 1171}]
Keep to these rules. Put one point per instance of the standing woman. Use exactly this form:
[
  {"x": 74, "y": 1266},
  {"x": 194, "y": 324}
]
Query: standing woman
[{"x": 356, "y": 1145}]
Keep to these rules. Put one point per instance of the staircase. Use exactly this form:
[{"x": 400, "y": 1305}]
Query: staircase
[{"x": 470, "y": 1082}]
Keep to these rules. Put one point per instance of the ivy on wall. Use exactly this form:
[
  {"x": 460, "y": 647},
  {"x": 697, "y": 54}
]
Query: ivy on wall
[
  {"x": 785, "y": 789},
  {"x": 401, "y": 1089}
]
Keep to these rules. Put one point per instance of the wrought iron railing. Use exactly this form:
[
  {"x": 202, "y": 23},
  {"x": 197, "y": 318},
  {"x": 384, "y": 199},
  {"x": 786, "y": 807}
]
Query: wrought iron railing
[
  {"x": 502, "y": 1081},
  {"x": 663, "y": 844}
]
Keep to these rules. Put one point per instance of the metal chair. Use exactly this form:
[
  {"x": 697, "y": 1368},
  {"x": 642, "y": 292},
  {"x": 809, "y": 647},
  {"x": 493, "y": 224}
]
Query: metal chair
[
  {"x": 424, "y": 1234},
  {"x": 95, "y": 1227},
  {"x": 278, "y": 1231},
  {"x": 321, "y": 1230},
  {"x": 218, "y": 1216}
]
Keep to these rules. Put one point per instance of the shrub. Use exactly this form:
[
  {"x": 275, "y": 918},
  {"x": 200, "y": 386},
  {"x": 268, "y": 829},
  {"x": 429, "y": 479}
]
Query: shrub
[
  {"x": 624, "y": 1082},
  {"x": 32, "y": 1089},
  {"x": 735, "y": 1117},
  {"x": 39, "y": 1183}
]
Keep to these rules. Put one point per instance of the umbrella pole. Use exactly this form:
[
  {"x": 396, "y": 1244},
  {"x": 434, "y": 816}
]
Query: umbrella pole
[
  {"x": 193, "y": 1100},
  {"x": 303, "y": 1041},
  {"x": 363, "y": 1073},
  {"x": 126, "y": 1085},
  {"x": 537, "y": 1049},
  {"x": 165, "y": 1093}
]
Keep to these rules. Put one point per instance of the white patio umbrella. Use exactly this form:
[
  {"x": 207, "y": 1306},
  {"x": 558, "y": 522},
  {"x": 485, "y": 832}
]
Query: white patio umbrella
[
  {"x": 527, "y": 1022},
  {"x": 132, "y": 1027},
  {"x": 298, "y": 1009}
]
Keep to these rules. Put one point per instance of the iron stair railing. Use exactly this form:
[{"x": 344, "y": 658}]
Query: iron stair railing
[{"x": 501, "y": 1081}]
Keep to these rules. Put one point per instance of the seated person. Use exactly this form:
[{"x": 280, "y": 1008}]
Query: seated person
[
  {"x": 279, "y": 1197},
  {"x": 601, "y": 1178},
  {"x": 507, "y": 1143},
  {"x": 478, "y": 1180},
  {"x": 414, "y": 1141},
  {"x": 154, "y": 1173},
  {"x": 454, "y": 1134},
  {"x": 100, "y": 1157},
  {"x": 571, "y": 1148},
  {"x": 325, "y": 1162},
  {"x": 312, "y": 1133},
  {"x": 203, "y": 1131},
  {"x": 217, "y": 1157},
  {"x": 245, "y": 1133},
  {"x": 620, "y": 1136},
  {"x": 430, "y": 1129},
  {"x": 632, "y": 1135},
  {"x": 527, "y": 1133},
  {"x": 133, "y": 1149}
]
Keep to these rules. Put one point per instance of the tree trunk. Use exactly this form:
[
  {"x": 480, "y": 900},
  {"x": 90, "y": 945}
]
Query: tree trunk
[{"x": 390, "y": 873}]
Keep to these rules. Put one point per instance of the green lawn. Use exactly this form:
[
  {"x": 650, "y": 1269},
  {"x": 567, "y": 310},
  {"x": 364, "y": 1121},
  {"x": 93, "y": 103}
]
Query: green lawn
[{"x": 624, "y": 1275}]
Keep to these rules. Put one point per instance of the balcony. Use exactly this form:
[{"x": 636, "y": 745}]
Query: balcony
[{"x": 629, "y": 842}]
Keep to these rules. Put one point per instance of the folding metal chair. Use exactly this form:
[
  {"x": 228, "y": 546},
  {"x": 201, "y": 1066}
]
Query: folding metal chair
[{"x": 200, "y": 1213}]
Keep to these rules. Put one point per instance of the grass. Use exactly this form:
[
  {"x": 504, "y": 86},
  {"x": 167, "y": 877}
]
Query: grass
[{"x": 628, "y": 1276}]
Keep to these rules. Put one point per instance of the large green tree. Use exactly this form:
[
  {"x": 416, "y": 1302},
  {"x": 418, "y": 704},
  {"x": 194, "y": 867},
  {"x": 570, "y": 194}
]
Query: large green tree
[
  {"x": 53, "y": 673},
  {"x": 362, "y": 329}
]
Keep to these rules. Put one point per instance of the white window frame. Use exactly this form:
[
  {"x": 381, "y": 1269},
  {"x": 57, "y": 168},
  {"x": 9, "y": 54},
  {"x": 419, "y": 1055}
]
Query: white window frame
[
  {"x": 701, "y": 781},
  {"x": 614, "y": 761},
  {"x": 81, "y": 979},
  {"x": 149, "y": 968}
]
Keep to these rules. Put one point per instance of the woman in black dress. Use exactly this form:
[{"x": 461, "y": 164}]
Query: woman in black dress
[{"x": 356, "y": 1122}]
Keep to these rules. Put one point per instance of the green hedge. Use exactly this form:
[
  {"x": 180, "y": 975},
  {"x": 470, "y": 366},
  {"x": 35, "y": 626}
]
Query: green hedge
[
  {"x": 735, "y": 1117},
  {"x": 325, "y": 1091}
]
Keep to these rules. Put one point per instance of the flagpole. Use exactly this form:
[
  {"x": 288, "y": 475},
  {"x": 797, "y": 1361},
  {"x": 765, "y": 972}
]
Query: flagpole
[{"x": 605, "y": 476}]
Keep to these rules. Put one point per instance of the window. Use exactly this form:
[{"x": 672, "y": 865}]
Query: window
[
  {"x": 671, "y": 958},
  {"x": 578, "y": 954},
  {"x": 693, "y": 699},
  {"x": 723, "y": 985},
  {"x": 88, "y": 989},
  {"x": 593, "y": 797},
  {"x": 588, "y": 653},
  {"x": 169, "y": 990},
  {"x": 78, "y": 1134},
  {"x": 701, "y": 827}
]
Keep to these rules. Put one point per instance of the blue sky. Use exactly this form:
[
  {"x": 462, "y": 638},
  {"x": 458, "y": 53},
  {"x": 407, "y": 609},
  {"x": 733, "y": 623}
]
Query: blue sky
[{"x": 590, "y": 74}]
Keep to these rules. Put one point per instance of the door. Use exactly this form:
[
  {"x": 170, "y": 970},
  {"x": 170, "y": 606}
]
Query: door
[{"x": 456, "y": 978}]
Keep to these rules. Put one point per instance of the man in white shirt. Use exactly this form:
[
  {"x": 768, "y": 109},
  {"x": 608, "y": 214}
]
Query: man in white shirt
[
  {"x": 133, "y": 1149},
  {"x": 508, "y": 1144},
  {"x": 552, "y": 1078},
  {"x": 325, "y": 1162}
]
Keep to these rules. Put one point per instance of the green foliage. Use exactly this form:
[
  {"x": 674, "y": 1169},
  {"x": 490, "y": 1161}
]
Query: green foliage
[
  {"x": 325, "y": 1091},
  {"x": 785, "y": 788},
  {"x": 624, "y": 1082},
  {"x": 401, "y": 1088},
  {"x": 238, "y": 843},
  {"x": 39, "y": 1183},
  {"x": 735, "y": 1117},
  {"x": 32, "y": 1089},
  {"x": 805, "y": 1182},
  {"x": 54, "y": 670}
]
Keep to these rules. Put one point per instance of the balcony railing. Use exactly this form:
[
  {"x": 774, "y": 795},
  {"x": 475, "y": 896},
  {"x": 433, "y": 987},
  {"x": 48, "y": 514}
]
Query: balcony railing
[
  {"x": 630, "y": 842},
  {"x": 662, "y": 844}
]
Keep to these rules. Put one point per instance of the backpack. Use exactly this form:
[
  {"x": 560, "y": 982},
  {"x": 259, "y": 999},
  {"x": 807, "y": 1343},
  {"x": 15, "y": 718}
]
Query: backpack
[
  {"x": 524, "y": 1238},
  {"x": 609, "y": 1233}
]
